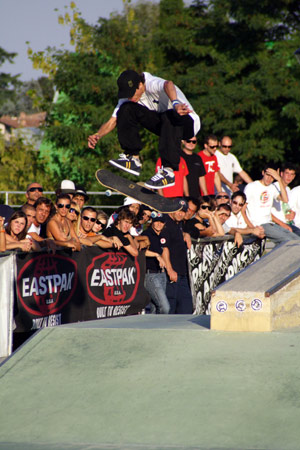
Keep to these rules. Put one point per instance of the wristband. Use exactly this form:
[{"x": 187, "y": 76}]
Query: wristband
[
  {"x": 2, "y": 231},
  {"x": 175, "y": 102}
]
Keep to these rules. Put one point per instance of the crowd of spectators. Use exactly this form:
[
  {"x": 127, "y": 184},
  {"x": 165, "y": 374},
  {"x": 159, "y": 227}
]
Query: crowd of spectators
[{"x": 213, "y": 203}]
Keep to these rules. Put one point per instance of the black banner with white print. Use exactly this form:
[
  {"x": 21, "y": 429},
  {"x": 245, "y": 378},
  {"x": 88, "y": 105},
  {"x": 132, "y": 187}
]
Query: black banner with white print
[{"x": 211, "y": 262}]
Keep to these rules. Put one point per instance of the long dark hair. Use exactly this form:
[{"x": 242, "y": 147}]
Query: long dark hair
[{"x": 17, "y": 215}]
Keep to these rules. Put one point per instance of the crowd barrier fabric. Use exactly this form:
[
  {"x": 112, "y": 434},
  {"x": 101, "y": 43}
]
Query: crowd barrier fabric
[
  {"x": 65, "y": 287},
  {"x": 7, "y": 277},
  {"x": 211, "y": 262},
  {"x": 48, "y": 289}
]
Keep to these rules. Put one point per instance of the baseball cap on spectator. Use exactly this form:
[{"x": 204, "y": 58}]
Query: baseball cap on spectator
[
  {"x": 129, "y": 200},
  {"x": 158, "y": 217},
  {"x": 81, "y": 191},
  {"x": 128, "y": 82},
  {"x": 66, "y": 187},
  {"x": 182, "y": 204}
]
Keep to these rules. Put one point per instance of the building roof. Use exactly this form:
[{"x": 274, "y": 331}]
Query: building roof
[{"x": 24, "y": 120}]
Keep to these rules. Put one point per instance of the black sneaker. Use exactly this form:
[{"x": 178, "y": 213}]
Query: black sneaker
[
  {"x": 127, "y": 163},
  {"x": 163, "y": 178}
]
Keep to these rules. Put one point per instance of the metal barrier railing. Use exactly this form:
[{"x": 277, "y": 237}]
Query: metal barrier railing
[{"x": 6, "y": 195}]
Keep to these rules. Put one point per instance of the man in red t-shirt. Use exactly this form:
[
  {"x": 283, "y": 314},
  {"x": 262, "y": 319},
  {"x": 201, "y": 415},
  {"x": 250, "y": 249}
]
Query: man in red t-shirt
[
  {"x": 210, "y": 162},
  {"x": 180, "y": 188}
]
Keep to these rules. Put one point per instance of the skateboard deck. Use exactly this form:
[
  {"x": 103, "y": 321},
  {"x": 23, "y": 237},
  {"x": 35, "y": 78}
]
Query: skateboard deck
[{"x": 140, "y": 193}]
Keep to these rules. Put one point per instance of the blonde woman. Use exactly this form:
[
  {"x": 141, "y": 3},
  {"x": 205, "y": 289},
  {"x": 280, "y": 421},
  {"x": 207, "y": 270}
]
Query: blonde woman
[
  {"x": 101, "y": 222},
  {"x": 74, "y": 216}
]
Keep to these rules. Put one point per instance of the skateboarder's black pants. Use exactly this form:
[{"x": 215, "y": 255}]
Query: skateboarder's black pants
[{"x": 169, "y": 126}]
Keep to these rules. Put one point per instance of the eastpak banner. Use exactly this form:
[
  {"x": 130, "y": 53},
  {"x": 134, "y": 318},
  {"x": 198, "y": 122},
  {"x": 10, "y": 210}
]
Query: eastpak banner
[{"x": 66, "y": 287}]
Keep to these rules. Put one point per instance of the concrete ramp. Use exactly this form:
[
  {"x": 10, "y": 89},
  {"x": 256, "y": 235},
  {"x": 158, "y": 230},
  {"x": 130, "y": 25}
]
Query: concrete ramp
[
  {"x": 263, "y": 297},
  {"x": 151, "y": 382}
]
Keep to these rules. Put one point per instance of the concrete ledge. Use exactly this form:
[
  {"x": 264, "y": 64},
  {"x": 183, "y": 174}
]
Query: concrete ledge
[{"x": 264, "y": 296}]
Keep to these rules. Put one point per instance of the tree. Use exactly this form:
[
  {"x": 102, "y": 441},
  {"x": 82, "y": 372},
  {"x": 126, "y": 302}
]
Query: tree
[
  {"x": 233, "y": 60},
  {"x": 86, "y": 81},
  {"x": 19, "y": 166},
  {"x": 8, "y": 84}
]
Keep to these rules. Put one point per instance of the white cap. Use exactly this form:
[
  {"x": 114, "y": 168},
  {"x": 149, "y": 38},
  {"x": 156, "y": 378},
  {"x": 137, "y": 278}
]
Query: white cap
[
  {"x": 66, "y": 187},
  {"x": 130, "y": 200}
]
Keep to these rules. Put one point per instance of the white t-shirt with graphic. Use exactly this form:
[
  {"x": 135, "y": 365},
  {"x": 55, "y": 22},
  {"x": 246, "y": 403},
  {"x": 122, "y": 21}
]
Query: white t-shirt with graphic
[{"x": 260, "y": 201}]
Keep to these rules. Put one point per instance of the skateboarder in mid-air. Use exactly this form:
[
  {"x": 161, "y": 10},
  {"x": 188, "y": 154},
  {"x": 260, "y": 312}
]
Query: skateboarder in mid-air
[{"x": 160, "y": 107}]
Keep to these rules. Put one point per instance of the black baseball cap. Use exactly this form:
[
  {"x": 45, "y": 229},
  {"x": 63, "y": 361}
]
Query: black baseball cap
[
  {"x": 81, "y": 191},
  {"x": 159, "y": 217},
  {"x": 183, "y": 204},
  {"x": 128, "y": 82}
]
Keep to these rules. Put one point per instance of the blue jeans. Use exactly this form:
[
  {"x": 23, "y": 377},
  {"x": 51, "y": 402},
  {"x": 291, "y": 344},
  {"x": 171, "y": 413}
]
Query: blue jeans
[
  {"x": 155, "y": 284},
  {"x": 295, "y": 229},
  {"x": 179, "y": 296},
  {"x": 278, "y": 234}
]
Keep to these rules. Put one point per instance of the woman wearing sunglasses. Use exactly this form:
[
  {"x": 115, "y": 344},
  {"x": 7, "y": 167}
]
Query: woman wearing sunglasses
[
  {"x": 101, "y": 222},
  {"x": 74, "y": 216},
  {"x": 60, "y": 228},
  {"x": 205, "y": 223}
]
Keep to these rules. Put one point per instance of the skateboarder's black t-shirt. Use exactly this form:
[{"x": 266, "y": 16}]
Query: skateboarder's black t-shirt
[
  {"x": 172, "y": 238},
  {"x": 155, "y": 246},
  {"x": 114, "y": 231},
  {"x": 196, "y": 170}
]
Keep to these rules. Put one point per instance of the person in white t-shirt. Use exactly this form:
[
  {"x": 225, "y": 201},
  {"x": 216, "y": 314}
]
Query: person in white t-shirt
[
  {"x": 238, "y": 220},
  {"x": 159, "y": 106},
  {"x": 284, "y": 214},
  {"x": 229, "y": 165},
  {"x": 295, "y": 204},
  {"x": 260, "y": 197}
]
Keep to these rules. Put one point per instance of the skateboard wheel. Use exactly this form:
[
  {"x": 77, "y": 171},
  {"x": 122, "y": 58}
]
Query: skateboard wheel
[{"x": 108, "y": 193}]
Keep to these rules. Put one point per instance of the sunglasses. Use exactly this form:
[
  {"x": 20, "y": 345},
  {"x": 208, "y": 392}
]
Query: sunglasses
[
  {"x": 35, "y": 189},
  {"x": 237, "y": 203},
  {"x": 222, "y": 196},
  {"x": 72, "y": 210},
  {"x": 191, "y": 141},
  {"x": 98, "y": 222},
  {"x": 205, "y": 207},
  {"x": 62, "y": 205},
  {"x": 226, "y": 146},
  {"x": 213, "y": 146},
  {"x": 92, "y": 219}
]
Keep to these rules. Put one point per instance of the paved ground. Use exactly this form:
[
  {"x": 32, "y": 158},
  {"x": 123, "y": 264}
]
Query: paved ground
[{"x": 144, "y": 382}]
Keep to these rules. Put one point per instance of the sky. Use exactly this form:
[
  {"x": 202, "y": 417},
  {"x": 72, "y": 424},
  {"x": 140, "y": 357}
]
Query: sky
[{"x": 36, "y": 21}]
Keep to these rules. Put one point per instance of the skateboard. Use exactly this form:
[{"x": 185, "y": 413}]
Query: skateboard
[{"x": 138, "y": 192}]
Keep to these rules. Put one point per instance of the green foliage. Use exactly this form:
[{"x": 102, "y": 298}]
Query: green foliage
[
  {"x": 233, "y": 60},
  {"x": 8, "y": 84},
  {"x": 19, "y": 166}
]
